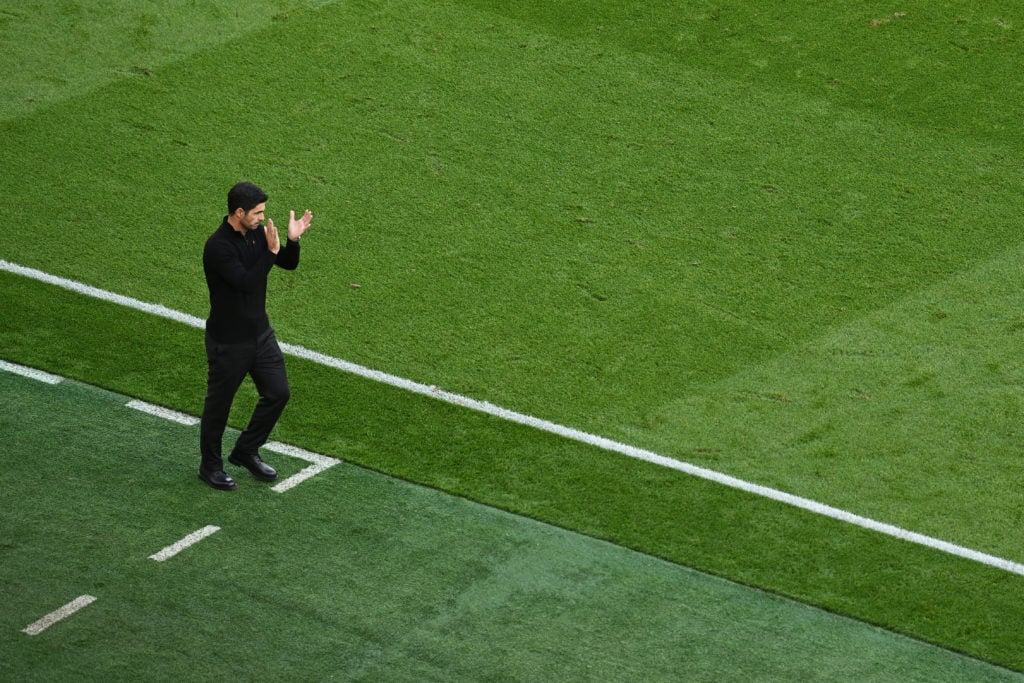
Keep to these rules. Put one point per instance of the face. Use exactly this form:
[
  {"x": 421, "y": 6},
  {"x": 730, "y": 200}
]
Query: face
[{"x": 251, "y": 218}]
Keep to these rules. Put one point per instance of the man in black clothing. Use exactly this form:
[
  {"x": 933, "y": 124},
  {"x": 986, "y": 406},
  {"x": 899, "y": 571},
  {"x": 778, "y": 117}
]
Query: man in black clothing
[{"x": 239, "y": 340}]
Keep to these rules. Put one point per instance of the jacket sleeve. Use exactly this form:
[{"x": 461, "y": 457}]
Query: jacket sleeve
[{"x": 288, "y": 255}]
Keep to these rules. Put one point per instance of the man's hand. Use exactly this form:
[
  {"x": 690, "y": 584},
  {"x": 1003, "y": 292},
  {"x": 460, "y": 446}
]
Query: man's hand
[
  {"x": 273, "y": 240},
  {"x": 297, "y": 227}
]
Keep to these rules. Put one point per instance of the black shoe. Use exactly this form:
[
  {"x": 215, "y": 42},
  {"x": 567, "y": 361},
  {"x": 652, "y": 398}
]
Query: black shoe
[
  {"x": 218, "y": 480},
  {"x": 254, "y": 464}
]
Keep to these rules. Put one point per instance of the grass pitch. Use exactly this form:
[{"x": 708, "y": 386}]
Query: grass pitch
[{"x": 778, "y": 241}]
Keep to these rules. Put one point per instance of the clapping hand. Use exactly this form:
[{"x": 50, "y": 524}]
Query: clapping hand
[
  {"x": 297, "y": 227},
  {"x": 273, "y": 240}
]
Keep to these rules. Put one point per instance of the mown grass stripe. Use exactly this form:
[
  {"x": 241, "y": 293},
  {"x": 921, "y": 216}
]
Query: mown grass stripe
[{"x": 547, "y": 426}]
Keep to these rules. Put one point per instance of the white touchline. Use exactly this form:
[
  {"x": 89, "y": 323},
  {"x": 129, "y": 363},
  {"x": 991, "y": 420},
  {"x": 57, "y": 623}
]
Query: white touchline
[
  {"x": 56, "y": 615},
  {"x": 193, "y": 538},
  {"x": 103, "y": 294},
  {"x": 544, "y": 425},
  {"x": 31, "y": 373},
  {"x": 166, "y": 413}
]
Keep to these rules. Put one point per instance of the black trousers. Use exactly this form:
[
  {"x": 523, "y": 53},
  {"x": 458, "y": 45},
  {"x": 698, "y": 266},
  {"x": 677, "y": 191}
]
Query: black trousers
[{"x": 228, "y": 364}]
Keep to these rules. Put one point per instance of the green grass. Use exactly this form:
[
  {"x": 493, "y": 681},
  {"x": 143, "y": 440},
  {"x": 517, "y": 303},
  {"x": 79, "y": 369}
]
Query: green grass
[
  {"x": 907, "y": 588},
  {"x": 776, "y": 241},
  {"x": 52, "y": 52},
  {"x": 357, "y": 576}
]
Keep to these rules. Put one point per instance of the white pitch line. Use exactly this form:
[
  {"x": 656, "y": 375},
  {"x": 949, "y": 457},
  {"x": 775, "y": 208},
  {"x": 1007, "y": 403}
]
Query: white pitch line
[
  {"x": 319, "y": 463},
  {"x": 544, "y": 425},
  {"x": 193, "y": 538},
  {"x": 166, "y": 413},
  {"x": 104, "y": 295},
  {"x": 56, "y": 615},
  {"x": 31, "y": 373}
]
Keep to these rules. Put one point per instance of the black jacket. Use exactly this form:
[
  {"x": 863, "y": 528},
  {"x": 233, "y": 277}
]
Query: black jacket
[{"x": 236, "y": 270}]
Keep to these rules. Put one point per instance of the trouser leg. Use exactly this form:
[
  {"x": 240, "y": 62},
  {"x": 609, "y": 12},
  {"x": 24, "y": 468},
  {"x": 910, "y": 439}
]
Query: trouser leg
[
  {"x": 227, "y": 365},
  {"x": 271, "y": 379}
]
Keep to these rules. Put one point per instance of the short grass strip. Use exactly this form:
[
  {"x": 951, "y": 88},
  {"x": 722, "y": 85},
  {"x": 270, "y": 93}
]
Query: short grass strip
[{"x": 362, "y": 577}]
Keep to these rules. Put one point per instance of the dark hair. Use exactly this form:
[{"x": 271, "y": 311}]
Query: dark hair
[{"x": 245, "y": 196}]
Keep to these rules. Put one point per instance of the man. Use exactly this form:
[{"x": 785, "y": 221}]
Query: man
[{"x": 239, "y": 340}]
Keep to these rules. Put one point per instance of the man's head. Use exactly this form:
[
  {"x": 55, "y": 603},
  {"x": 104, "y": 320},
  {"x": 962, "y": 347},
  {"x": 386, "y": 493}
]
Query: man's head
[
  {"x": 245, "y": 196},
  {"x": 246, "y": 204}
]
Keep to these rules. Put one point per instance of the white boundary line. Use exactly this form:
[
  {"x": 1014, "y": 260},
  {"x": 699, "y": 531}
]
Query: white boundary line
[
  {"x": 103, "y": 294},
  {"x": 545, "y": 425},
  {"x": 193, "y": 538},
  {"x": 318, "y": 463},
  {"x": 31, "y": 373},
  {"x": 160, "y": 411},
  {"x": 58, "y": 614}
]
